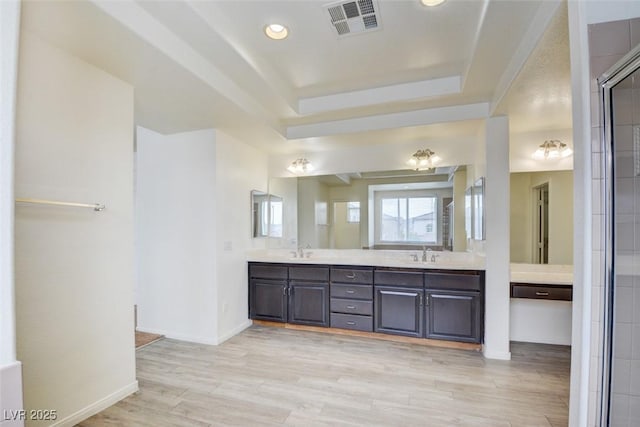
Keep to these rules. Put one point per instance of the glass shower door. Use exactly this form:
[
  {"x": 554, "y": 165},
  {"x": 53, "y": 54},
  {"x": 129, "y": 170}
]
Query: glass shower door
[{"x": 621, "y": 356}]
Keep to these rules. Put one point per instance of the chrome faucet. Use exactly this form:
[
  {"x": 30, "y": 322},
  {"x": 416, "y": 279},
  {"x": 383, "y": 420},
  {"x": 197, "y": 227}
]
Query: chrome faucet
[
  {"x": 425, "y": 251},
  {"x": 300, "y": 252},
  {"x": 414, "y": 257}
]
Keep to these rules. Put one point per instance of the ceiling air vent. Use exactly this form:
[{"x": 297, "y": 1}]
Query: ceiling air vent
[{"x": 353, "y": 17}]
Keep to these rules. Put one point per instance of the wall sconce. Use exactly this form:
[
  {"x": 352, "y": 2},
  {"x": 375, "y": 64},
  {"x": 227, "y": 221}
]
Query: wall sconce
[
  {"x": 552, "y": 149},
  {"x": 300, "y": 166},
  {"x": 423, "y": 159}
]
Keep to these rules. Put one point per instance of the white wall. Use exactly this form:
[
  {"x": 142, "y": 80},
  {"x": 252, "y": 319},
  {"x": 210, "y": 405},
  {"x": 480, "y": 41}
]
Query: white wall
[
  {"x": 540, "y": 321},
  {"x": 10, "y": 368},
  {"x": 176, "y": 234},
  {"x": 74, "y": 267},
  {"x": 193, "y": 226},
  {"x": 233, "y": 219},
  {"x": 497, "y": 238}
]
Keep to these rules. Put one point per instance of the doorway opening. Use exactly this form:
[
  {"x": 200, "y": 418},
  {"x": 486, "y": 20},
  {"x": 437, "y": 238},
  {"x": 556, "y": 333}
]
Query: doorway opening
[{"x": 541, "y": 224}]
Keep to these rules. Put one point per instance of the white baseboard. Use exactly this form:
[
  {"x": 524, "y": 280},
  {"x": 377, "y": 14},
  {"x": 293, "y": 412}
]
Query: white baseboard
[
  {"x": 235, "y": 331},
  {"x": 497, "y": 355},
  {"x": 180, "y": 337},
  {"x": 98, "y": 406},
  {"x": 11, "y": 394}
]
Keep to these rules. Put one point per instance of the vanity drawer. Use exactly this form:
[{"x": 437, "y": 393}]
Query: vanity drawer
[
  {"x": 465, "y": 282},
  {"x": 548, "y": 292},
  {"x": 309, "y": 273},
  {"x": 352, "y": 321},
  {"x": 351, "y": 306},
  {"x": 352, "y": 275},
  {"x": 411, "y": 279},
  {"x": 351, "y": 291},
  {"x": 267, "y": 271}
]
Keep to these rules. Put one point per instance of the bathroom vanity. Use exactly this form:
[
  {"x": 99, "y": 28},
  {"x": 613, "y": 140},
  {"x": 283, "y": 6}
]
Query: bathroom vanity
[
  {"x": 541, "y": 296},
  {"x": 389, "y": 295}
]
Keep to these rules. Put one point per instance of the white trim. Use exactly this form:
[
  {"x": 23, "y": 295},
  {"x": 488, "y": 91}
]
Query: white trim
[
  {"x": 9, "y": 36},
  {"x": 391, "y": 121},
  {"x": 180, "y": 337},
  {"x": 579, "y": 389},
  {"x": 98, "y": 406},
  {"x": 380, "y": 95},
  {"x": 496, "y": 355},
  {"x": 235, "y": 331}
]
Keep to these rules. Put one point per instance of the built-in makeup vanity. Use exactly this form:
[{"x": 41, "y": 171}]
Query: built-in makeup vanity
[
  {"x": 541, "y": 296},
  {"x": 377, "y": 292}
]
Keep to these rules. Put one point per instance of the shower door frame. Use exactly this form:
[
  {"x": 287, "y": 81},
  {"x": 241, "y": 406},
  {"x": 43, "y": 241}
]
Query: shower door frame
[{"x": 622, "y": 69}]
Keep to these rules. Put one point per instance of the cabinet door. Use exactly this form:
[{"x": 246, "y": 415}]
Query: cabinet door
[
  {"x": 453, "y": 315},
  {"x": 398, "y": 310},
  {"x": 309, "y": 303},
  {"x": 268, "y": 300}
]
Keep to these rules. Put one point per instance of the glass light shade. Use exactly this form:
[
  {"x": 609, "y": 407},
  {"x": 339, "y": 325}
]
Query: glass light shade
[
  {"x": 552, "y": 149},
  {"x": 300, "y": 166},
  {"x": 423, "y": 159}
]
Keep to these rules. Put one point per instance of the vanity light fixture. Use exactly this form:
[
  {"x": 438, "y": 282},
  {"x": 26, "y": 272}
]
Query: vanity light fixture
[
  {"x": 276, "y": 31},
  {"x": 431, "y": 3},
  {"x": 423, "y": 159},
  {"x": 552, "y": 149},
  {"x": 300, "y": 166}
]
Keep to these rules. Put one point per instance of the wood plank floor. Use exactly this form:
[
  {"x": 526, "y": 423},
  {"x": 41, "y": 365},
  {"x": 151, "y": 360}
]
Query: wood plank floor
[{"x": 274, "y": 376}]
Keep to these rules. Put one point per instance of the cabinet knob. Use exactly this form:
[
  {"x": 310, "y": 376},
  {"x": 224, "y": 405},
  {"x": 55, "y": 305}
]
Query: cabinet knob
[
  {"x": 542, "y": 294},
  {"x": 351, "y": 276},
  {"x": 351, "y": 291},
  {"x": 351, "y": 323},
  {"x": 351, "y": 307}
]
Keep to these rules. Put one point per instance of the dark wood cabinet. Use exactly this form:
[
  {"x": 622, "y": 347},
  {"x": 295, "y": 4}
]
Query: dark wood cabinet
[
  {"x": 282, "y": 293},
  {"x": 309, "y": 303},
  {"x": 268, "y": 300},
  {"x": 542, "y": 291},
  {"x": 435, "y": 304},
  {"x": 454, "y": 306},
  {"x": 453, "y": 315},
  {"x": 352, "y": 298},
  {"x": 398, "y": 310}
]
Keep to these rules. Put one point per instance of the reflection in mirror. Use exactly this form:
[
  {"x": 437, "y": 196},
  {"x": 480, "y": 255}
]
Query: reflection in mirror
[
  {"x": 267, "y": 218},
  {"x": 402, "y": 209},
  {"x": 478, "y": 209},
  {"x": 541, "y": 217}
]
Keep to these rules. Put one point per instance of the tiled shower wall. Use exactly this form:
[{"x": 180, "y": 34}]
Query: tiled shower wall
[{"x": 608, "y": 43}]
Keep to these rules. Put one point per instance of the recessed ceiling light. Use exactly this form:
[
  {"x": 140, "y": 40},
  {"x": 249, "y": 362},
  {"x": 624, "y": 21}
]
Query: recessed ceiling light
[
  {"x": 431, "y": 2},
  {"x": 276, "y": 31}
]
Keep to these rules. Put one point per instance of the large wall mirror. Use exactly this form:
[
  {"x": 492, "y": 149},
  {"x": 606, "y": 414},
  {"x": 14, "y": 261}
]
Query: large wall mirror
[
  {"x": 267, "y": 214},
  {"x": 542, "y": 217},
  {"x": 400, "y": 209}
]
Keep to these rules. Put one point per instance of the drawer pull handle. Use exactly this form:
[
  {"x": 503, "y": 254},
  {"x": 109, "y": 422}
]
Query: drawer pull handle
[
  {"x": 542, "y": 294},
  {"x": 351, "y": 276},
  {"x": 351, "y": 323},
  {"x": 351, "y": 291},
  {"x": 351, "y": 307}
]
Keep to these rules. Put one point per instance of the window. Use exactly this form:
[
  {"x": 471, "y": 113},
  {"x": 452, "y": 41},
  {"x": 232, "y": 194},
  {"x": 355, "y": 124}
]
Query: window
[
  {"x": 353, "y": 212},
  {"x": 409, "y": 219}
]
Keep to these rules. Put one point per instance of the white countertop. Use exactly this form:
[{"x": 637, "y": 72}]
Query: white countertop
[
  {"x": 549, "y": 274},
  {"x": 378, "y": 258}
]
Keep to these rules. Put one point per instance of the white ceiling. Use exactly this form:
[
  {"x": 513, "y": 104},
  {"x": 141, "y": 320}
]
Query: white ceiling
[{"x": 426, "y": 74}]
